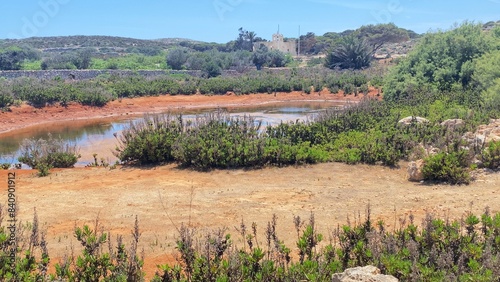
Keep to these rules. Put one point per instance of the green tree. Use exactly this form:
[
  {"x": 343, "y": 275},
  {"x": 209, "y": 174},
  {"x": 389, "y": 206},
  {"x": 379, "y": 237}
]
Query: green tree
[
  {"x": 82, "y": 59},
  {"x": 245, "y": 40},
  {"x": 377, "y": 35},
  {"x": 211, "y": 69},
  {"x": 276, "y": 59},
  {"x": 491, "y": 96},
  {"x": 350, "y": 53},
  {"x": 12, "y": 58},
  {"x": 441, "y": 61},
  {"x": 176, "y": 58},
  {"x": 486, "y": 70},
  {"x": 260, "y": 57},
  {"x": 308, "y": 43}
]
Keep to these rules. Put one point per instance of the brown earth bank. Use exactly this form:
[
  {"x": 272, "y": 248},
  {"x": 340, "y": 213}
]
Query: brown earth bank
[
  {"x": 165, "y": 197},
  {"x": 26, "y": 116}
]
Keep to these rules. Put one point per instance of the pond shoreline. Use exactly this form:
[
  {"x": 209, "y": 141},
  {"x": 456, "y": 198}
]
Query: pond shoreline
[{"x": 26, "y": 116}]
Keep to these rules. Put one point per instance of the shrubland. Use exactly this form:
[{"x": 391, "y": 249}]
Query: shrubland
[
  {"x": 437, "y": 249},
  {"x": 450, "y": 74},
  {"x": 455, "y": 87},
  {"x": 99, "y": 91}
]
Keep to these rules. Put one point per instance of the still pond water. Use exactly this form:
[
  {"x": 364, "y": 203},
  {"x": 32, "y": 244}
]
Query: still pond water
[{"x": 97, "y": 137}]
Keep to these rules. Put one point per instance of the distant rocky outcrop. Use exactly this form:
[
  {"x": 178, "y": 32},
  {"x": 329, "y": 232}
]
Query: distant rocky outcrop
[
  {"x": 363, "y": 274},
  {"x": 412, "y": 119},
  {"x": 491, "y": 131},
  {"x": 485, "y": 134},
  {"x": 452, "y": 124}
]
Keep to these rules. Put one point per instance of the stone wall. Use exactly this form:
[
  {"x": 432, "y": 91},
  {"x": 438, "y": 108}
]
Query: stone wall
[{"x": 90, "y": 74}]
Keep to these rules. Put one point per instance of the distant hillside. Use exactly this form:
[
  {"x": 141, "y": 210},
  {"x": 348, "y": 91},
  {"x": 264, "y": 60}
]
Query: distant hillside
[
  {"x": 80, "y": 41},
  {"x": 490, "y": 25},
  {"x": 175, "y": 41}
]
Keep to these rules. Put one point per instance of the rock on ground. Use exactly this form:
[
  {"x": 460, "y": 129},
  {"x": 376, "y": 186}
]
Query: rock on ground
[
  {"x": 485, "y": 134},
  {"x": 363, "y": 274},
  {"x": 491, "y": 131},
  {"x": 415, "y": 170}
]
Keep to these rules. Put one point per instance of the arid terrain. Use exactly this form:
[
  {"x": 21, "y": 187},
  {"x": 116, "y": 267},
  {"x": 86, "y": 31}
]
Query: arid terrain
[{"x": 165, "y": 197}]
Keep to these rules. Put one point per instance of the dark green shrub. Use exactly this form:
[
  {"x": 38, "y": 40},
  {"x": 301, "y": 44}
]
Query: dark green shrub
[
  {"x": 150, "y": 141},
  {"x": 283, "y": 152},
  {"x": 348, "y": 89},
  {"x": 491, "y": 155},
  {"x": 43, "y": 169},
  {"x": 451, "y": 167},
  {"x": 211, "y": 69},
  {"x": 216, "y": 140},
  {"x": 364, "y": 89},
  {"x": 94, "y": 96},
  {"x": 6, "y": 97}
]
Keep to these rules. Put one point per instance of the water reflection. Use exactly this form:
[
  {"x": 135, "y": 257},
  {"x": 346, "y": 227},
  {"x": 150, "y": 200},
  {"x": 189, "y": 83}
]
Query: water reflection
[{"x": 97, "y": 137}]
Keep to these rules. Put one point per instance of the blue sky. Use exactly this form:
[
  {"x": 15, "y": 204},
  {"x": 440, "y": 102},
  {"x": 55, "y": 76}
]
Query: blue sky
[{"x": 219, "y": 20}]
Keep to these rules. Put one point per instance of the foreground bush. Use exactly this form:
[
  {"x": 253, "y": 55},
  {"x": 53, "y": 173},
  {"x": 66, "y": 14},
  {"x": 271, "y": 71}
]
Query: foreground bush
[
  {"x": 452, "y": 167},
  {"x": 438, "y": 249},
  {"x": 491, "y": 155}
]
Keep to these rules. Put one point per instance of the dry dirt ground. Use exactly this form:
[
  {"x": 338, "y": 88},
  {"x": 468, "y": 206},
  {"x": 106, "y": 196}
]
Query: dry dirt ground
[{"x": 165, "y": 197}]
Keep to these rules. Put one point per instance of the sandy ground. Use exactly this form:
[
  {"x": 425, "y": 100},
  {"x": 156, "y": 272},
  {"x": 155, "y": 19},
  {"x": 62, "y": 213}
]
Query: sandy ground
[{"x": 165, "y": 197}]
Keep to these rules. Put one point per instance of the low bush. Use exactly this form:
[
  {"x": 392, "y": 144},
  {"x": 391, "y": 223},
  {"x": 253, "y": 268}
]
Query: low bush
[
  {"x": 438, "y": 249},
  {"x": 491, "y": 155},
  {"x": 150, "y": 140},
  {"x": 216, "y": 140},
  {"x": 44, "y": 154},
  {"x": 6, "y": 98},
  {"x": 367, "y": 132},
  {"x": 213, "y": 140},
  {"x": 452, "y": 167},
  {"x": 101, "y": 90}
]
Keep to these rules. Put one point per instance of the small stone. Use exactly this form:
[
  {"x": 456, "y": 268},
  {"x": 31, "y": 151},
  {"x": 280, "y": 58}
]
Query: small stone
[{"x": 363, "y": 274}]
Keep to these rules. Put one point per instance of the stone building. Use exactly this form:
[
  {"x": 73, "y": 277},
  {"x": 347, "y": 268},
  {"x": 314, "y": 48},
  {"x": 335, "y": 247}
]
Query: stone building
[{"x": 279, "y": 43}]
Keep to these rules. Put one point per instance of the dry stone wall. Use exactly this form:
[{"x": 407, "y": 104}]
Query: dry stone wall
[{"x": 90, "y": 74}]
